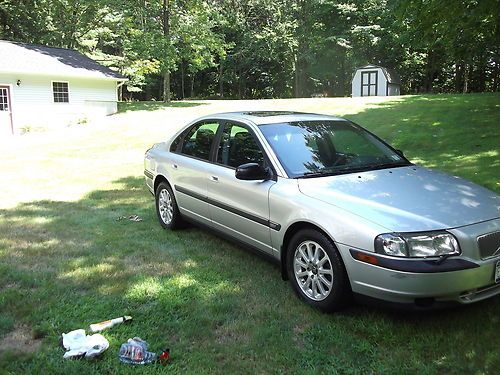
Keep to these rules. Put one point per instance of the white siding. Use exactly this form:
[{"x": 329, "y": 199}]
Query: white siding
[
  {"x": 33, "y": 103},
  {"x": 356, "y": 84}
]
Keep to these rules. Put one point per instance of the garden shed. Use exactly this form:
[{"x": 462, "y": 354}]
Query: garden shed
[
  {"x": 47, "y": 87},
  {"x": 374, "y": 80}
]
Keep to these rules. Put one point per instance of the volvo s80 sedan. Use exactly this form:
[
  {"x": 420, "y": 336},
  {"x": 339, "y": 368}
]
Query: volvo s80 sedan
[{"x": 343, "y": 212}]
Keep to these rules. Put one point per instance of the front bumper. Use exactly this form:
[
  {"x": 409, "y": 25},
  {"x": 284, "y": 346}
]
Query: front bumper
[
  {"x": 460, "y": 279},
  {"x": 473, "y": 283},
  {"x": 462, "y": 286}
]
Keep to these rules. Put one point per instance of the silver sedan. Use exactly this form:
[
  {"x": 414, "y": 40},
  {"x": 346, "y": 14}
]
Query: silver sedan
[{"x": 343, "y": 213}]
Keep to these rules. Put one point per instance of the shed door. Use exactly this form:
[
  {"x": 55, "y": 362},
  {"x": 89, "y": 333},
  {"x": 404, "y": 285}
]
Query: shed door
[
  {"x": 5, "y": 111},
  {"x": 369, "y": 81}
]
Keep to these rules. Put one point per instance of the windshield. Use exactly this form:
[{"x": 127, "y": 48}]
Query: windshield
[{"x": 317, "y": 148}]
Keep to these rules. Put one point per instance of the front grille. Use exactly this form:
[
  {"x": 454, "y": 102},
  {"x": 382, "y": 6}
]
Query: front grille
[{"x": 489, "y": 245}]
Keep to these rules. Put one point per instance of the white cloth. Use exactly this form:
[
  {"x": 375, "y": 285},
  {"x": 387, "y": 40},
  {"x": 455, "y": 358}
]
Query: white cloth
[{"x": 77, "y": 343}]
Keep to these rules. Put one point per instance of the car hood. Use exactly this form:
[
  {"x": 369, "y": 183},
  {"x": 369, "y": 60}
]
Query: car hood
[{"x": 406, "y": 199}]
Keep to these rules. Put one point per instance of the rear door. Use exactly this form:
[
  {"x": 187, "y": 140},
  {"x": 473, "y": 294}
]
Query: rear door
[
  {"x": 5, "y": 111},
  {"x": 188, "y": 168},
  {"x": 239, "y": 208}
]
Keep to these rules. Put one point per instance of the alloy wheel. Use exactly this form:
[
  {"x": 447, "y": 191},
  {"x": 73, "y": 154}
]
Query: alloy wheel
[
  {"x": 165, "y": 206},
  {"x": 313, "y": 270}
]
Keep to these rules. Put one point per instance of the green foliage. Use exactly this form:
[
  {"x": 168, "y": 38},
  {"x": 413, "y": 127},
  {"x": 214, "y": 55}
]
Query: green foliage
[{"x": 265, "y": 48}]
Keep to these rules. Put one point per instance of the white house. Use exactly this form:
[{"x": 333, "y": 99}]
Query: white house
[
  {"x": 45, "y": 86},
  {"x": 373, "y": 80}
]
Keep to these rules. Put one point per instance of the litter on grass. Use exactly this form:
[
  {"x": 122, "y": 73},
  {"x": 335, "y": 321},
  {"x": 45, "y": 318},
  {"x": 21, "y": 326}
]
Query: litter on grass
[
  {"x": 98, "y": 327},
  {"x": 78, "y": 344},
  {"x": 134, "y": 218},
  {"x": 135, "y": 352}
]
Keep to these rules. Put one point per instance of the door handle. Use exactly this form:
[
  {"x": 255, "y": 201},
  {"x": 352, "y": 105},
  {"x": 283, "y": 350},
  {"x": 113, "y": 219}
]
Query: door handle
[
  {"x": 214, "y": 178},
  {"x": 174, "y": 166}
]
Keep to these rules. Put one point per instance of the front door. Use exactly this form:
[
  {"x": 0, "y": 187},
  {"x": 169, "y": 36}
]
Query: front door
[
  {"x": 239, "y": 208},
  {"x": 5, "y": 111}
]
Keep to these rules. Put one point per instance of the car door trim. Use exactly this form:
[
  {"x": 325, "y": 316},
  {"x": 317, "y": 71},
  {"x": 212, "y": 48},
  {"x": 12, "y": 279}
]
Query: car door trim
[{"x": 236, "y": 211}]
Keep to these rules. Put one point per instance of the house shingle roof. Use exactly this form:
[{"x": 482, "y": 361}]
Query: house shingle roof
[{"x": 29, "y": 58}]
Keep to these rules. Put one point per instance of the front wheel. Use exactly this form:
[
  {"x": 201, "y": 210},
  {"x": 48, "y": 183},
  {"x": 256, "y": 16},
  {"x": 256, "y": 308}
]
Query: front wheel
[
  {"x": 166, "y": 207},
  {"x": 316, "y": 271}
]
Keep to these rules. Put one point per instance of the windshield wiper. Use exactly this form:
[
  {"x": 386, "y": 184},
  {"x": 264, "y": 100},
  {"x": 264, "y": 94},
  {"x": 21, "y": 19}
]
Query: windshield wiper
[
  {"x": 402, "y": 163},
  {"x": 352, "y": 169},
  {"x": 331, "y": 172},
  {"x": 316, "y": 174}
]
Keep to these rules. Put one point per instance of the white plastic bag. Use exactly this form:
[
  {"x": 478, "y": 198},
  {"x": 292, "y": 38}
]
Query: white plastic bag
[{"x": 77, "y": 343}]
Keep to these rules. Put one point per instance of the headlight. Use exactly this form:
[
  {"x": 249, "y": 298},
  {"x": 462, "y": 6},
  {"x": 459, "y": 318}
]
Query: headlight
[{"x": 417, "y": 245}]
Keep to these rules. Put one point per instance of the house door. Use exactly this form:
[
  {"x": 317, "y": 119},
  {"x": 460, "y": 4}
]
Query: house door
[{"x": 5, "y": 111}]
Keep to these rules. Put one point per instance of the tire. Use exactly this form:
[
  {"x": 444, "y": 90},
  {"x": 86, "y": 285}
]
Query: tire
[
  {"x": 166, "y": 207},
  {"x": 316, "y": 271}
]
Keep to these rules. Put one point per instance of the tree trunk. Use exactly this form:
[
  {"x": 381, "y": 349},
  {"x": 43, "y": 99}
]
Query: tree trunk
[
  {"x": 466, "y": 78},
  {"x": 239, "y": 84},
  {"x": 166, "y": 34},
  {"x": 480, "y": 85},
  {"x": 458, "y": 76},
  {"x": 182, "y": 80},
  {"x": 302, "y": 15},
  {"x": 166, "y": 87},
  {"x": 495, "y": 76},
  {"x": 221, "y": 84},
  {"x": 192, "y": 86},
  {"x": 343, "y": 84},
  {"x": 430, "y": 71},
  {"x": 296, "y": 75}
]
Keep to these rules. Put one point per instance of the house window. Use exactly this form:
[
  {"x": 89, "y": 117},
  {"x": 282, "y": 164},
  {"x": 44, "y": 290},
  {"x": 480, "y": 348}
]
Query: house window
[
  {"x": 4, "y": 99},
  {"x": 369, "y": 83},
  {"x": 61, "y": 92}
]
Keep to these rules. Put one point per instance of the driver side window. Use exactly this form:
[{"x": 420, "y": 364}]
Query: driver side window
[{"x": 238, "y": 146}]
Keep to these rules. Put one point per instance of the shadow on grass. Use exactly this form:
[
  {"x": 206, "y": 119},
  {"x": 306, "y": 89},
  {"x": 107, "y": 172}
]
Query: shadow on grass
[
  {"x": 153, "y": 106},
  {"x": 64, "y": 265}
]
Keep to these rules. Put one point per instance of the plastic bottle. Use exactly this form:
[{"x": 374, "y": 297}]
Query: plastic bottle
[{"x": 134, "y": 352}]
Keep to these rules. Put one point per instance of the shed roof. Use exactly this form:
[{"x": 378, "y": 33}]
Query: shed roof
[
  {"x": 30, "y": 58},
  {"x": 390, "y": 75}
]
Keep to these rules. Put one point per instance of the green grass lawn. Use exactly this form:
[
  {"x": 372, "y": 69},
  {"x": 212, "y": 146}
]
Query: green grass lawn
[
  {"x": 66, "y": 261},
  {"x": 153, "y": 106}
]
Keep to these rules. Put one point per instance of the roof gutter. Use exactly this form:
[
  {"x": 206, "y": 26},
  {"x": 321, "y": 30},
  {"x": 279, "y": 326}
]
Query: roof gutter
[{"x": 65, "y": 75}]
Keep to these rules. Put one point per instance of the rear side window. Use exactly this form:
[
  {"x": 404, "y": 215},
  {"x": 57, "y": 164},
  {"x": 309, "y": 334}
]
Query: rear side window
[
  {"x": 198, "y": 141},
  {"x": 175, "y": 143}
]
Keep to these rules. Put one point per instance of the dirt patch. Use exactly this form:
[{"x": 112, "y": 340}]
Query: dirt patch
[
  {"x": 19, "y": 340},
  {"x": 226, "y": 334},
  {"x": 298, "y": 335}
]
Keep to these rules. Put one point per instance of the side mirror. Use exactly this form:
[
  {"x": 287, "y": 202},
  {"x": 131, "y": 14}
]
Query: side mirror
[{"x": 252, "y": 172}]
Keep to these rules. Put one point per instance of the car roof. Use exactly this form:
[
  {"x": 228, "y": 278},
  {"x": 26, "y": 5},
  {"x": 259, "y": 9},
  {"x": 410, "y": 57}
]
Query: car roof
[{"x": 270, "y": 117}]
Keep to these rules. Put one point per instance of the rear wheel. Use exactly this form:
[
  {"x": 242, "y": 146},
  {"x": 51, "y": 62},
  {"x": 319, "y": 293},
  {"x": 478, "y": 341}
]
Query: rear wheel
[
  {"x": 166, "y": 207},
  {"x": 316, "y": 271}
]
